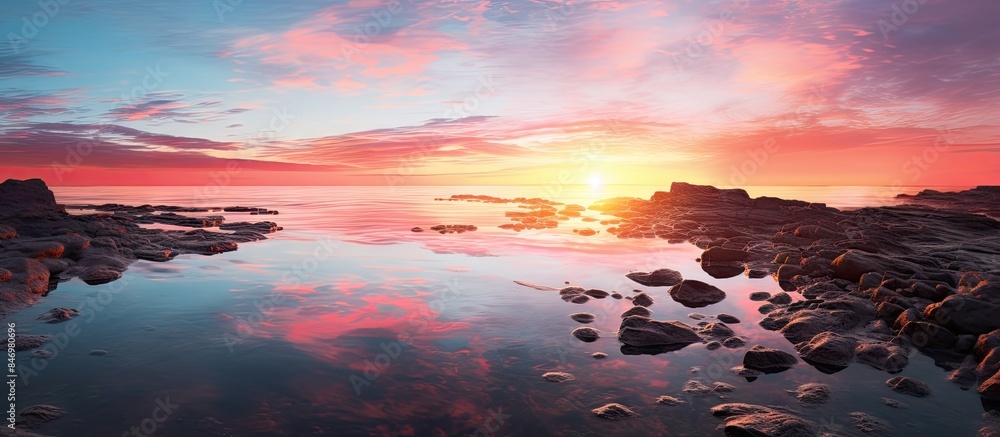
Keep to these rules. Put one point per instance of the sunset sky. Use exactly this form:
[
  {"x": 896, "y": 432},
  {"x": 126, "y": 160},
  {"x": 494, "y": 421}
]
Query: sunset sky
[{"x": 373, "y": 92}]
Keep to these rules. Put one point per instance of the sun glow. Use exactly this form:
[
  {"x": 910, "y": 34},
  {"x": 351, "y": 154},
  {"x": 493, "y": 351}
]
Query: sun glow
[{"x": 596, "y": 182}]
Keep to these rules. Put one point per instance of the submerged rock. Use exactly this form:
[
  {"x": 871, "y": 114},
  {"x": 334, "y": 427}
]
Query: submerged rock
[
  {"x": 57, "y": 315},
  {"x": 557, "y": 377},
  {"x": 669, "y": 401},
  {"x": 759, "y": 296},
  {"x": 867, "y": 423},
  {"x": 37, "y": 415},
  {"x": 812, "y": 393},
  {"x": 583, "y": 317},
  {"x": 614, "y": 411},
  {"x": 909, "y": 386}
]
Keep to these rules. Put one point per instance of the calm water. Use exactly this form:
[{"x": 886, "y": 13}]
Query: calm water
[{"x": 300, "y": 334}]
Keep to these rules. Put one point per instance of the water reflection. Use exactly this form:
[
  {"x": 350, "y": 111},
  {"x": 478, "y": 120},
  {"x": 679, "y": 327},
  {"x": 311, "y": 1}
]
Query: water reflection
[{"x": 401, "y": 333}]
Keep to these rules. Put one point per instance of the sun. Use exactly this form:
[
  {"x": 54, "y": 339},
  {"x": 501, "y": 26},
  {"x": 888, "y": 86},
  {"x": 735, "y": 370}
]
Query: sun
[{"x": 596, "y": 181}]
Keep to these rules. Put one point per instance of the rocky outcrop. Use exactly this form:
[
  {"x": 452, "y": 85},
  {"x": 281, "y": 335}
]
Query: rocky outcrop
[{"x": 42, "y": 245}]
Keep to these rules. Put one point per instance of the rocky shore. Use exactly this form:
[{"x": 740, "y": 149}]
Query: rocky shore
[
  {"x": 873, "y": 285},
  {"x": 42, "y": 245}
]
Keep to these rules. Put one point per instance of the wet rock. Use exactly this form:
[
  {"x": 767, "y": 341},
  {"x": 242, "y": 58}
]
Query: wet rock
[
  {"x": 726, "y": 318},
  {"x": 909, "y": 386},
  {"x": 586, "y": 334},
  {"x": 738, "y": 409},
  {"x": 642, "y": 299},
  {"x": 766, "y": 308},
  {"x": 990, "y": 389},
  {"x": 888, "y": 311},
  {"x": 965, "y": 343},
  {"x": 637, "y": 311},
  {"x": 853, "y": 264},
  {"x": 5, "y": 274},
  {"x": 656, "y": 278},
  {"x": 557, "y": 377},
  {"x": 882, "y": 356},
  {"x": 781, "y": 298},
  {"x": 37, "y": 415},
  {"x": 696, "y": 316},
  {"x": 759, "y": 296},
  {"x": 721, "y": 387},
  {"x": 867, "y": 423},
  {"x": 890, "y": 402},
  {"x": 734, "y": 342},
  {"x": 696, "y": 388},
  {"x": 616, "y": 296},
  {"x": 453, "y": 229},
  {"x": 696, "y": 294},
  {"x": 723, "y": 255},
  {"x": 986, "y": 343},
  {"x": 7, "y": 232},
  {"x": 769, "y": 423},
  {"x": 828, "y": 348},
  {"x": 599, "y": 355},
  {"x": 100, "y": 275},
  {"x": 583, "y": 317},
  {"x": 614, "y": 411},
  {"x": 669, "y": 401},
  {"x": 927, "y": 335},
  {"x": 417, "y": 229},
  {"x": 716, "y": 331},
  {"x": 579, "y": 299},
  {"x": 641, "y": 331},
  {"x": 56, "y": 315},
  {"x": 43, "y": 354},
  {"x": 596, "y": 294},
  {"x": 812, "y": 393},
  {"x": 23, "y": 342},
  {"x": 713, "y": 345},
  {"x": 768, "y": 360}
]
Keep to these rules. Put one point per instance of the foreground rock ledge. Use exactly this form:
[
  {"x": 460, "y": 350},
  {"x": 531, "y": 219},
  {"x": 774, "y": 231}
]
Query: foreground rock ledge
[{"x": 42, "y": 245}]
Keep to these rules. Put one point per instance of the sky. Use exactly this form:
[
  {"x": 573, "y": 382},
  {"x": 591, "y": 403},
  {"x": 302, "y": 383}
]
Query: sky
[{"x": 400, "y": 92}]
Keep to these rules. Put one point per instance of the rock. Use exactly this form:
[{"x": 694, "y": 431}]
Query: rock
[
  {"x": 557, "y": 377},
  {"x": 722, "y": 255},
  {"x": 596, "y": 294},
  {"x": 734, "y": 342},
  {"x": 716, "y": 331},
  {"x": 867, "y": 423},
  {"x": 758, "y": 296},
  {"x": 613, "y": 411},
  {"x": 828, "y": 348},
  {"x": 5, "y": 275},
  {"x": 768, "y": 360},
  {"x": 781, "y": 298},
  {"x": 656, "y": 278},
  {"x": 986, "y": 343},
  {"x": 23, "y": 342},
  {"x": 882, "y": 356},
  {"x": 927, "y": 335},
  {"x": 27, "y": 199},
  {"x": 100, "y": 275},
  {"x": 990, "y": 389},
  {"x": 669, "y": 401},
  {"x": 599, "y": 355},
  {"x": 721, "y": 387},
  {"x": 642, "y": 299},
  {"x": 713, "y": 345},
  {"x": 812, "y": 393},
  {"x": 726, "y": 318},
  {"x": 587, "y": 334},
  {"x": 641, "y": 331},
  {"x": 417, "y": 229},
  {"x": 909, "y": 386},
  {"x": 696, "y": 294},
  {"x": 453, "y": 229},
  {"x": 7, "y": 232},
  {"x": 37, "y": 415},
  {"x": 583, "y": 317},
  {"x": 637, "y": 311},
  {"x": 894, "y": 403},
  {"x": 579, "y": 299},
  {"x": 616, "y": 296},
  {"x": 888, "y": 311},
  {"x": 770, "y": 424},
  {"x": 766, "y": 308},
  {"x": 56, "y": 315},
  {"x": 43, "y": 354},
  {"x": 965, "y": 343},
  {"x": 853, "y": 264},
  {"x": 696, "y": 388},
  {"x": 696, "y": 316}
]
